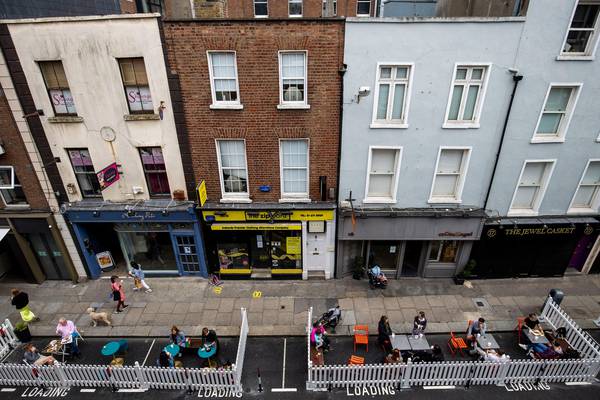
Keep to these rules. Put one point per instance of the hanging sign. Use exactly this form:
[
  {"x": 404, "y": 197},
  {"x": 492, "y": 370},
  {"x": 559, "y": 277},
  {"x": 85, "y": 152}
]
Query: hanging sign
[
  {"x": 108, "y": 176},
  {"x": 105, "y": 260},
  {"x": 202, "y": 193}
]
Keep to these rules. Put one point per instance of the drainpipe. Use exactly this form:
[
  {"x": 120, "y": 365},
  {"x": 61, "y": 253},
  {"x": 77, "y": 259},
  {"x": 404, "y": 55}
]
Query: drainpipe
[
  {"x": 516, "y": 79},
  {"x": 342, "y": 72}
]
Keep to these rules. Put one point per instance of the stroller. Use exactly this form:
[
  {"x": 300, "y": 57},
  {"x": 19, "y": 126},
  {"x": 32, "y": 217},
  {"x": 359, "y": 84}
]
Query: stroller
[
  {"x": 376, "y": 278},
  {"x": 331, "y": 318}
]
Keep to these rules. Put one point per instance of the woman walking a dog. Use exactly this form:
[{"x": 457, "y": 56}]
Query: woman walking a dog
[{"x": 118, "y": 293}]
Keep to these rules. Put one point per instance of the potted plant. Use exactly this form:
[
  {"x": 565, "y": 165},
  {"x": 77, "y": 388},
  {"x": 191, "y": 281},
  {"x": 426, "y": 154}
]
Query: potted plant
[
  {"x": 358, "y": 267},
  {"x": 22, "y": 332},
  {"x": 466, "y": 272}
]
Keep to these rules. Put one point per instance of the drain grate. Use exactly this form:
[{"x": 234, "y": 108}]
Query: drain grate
[{"x": 481, "y": 302}]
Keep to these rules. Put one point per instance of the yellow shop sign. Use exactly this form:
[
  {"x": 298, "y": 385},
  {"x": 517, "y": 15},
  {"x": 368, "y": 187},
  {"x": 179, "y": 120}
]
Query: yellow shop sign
[
  {"x": 256, "y": 227},
  {"x": 268, "y": 215}
]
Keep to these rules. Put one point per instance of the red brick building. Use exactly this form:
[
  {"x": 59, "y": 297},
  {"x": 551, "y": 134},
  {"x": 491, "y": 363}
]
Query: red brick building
[
  {"x": 261, "y": 105},
  {"x": 236, "y": 9}
]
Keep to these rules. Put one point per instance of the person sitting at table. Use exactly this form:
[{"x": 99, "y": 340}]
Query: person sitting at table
[
  {"x": 393, "y": 358},
  {"x": 383, "y": 334},
  {"x": 318, "y": 337},
  {"x": 436, "y": 353},
  {"x": 492, "y": 355},
  {"x": 33, "y": 356},
  {"x": 533, "y": 324},
  {"x": 419, "y": 324},
  {"x": 67, "y": 331},
  {"x": 177, "y": 337},
  {"x": 209, "y": 337},
  {"x": 541, "y": 351},
  {"x": 165, "y": 359},
  {"x": 476, "y": 328}
]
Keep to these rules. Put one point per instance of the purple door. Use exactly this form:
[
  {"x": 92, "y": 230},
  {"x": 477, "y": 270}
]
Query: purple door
[{"x": 581, "y": 252}]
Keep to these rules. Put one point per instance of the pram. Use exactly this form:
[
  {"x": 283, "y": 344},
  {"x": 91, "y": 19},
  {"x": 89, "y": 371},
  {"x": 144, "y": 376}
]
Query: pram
[
  {"x": 376, "y": 278},
  {"x": 331, "y": 318}
]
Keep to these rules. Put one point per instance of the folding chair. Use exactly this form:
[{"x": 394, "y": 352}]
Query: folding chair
[
  {"x": 456, "y": 344},
  {"x": 361, "y": 336},
  {"x": 356, "y": 360}
]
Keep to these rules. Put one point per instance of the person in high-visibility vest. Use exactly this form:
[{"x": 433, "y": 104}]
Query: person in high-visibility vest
[{"x": 21, "y": 302}]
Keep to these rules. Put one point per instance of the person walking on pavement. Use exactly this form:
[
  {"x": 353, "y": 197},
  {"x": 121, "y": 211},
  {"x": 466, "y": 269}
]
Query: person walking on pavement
[
  {"x": 20, "y": 300},
  {"x": 138, "y": 278},
  {"x": 118, "y": 293}
]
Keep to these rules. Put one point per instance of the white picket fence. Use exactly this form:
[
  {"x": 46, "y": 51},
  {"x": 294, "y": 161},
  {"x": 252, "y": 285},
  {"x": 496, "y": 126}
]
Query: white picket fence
[
  {"x": 556, "y": 317},
  {"x": 7, "y": 338},
  {"x": 131, "y": 377},
  {"x": 464, "y": 373}
]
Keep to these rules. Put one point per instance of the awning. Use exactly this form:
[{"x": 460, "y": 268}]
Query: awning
[
  {"x": 256, "y": 227},
  {"x": 3, "y": 232}
]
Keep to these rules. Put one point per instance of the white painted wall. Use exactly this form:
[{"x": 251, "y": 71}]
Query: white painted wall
[{"x": 88, "y": 48}]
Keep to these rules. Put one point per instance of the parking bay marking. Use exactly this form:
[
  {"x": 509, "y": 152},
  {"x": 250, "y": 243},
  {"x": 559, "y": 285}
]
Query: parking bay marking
[
  {"x": 148, "y": 353},
  {"x": 283, "y": 388}
]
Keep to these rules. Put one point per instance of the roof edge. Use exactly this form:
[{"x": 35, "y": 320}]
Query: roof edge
[
  {"x": 434, "y": 19},
  {"x": 79, "y": 18}
]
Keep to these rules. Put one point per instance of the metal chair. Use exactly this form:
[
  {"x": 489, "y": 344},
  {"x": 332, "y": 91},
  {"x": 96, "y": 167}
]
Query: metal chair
[
  {"x": 361, "y": 336},
  {"x": 356, "y": 360},
  {"x": 456, "y": 344}
]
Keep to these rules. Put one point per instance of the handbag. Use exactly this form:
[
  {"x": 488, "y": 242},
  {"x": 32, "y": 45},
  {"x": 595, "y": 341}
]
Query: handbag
[{"x": 116, "y": 295}]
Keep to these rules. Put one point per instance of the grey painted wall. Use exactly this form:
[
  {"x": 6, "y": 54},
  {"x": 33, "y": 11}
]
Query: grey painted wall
[
  {"x": 434, "y": 47},
  {"x": 57, "y": 8},
  {"x": 543, "y": 37}
]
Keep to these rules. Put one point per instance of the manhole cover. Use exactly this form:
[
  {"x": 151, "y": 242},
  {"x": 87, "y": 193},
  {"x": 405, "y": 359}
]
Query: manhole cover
[{"x": 481, "y": 302}]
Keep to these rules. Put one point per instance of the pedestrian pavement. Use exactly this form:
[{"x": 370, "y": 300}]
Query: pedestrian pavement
[{"x": 279, "y": 307}]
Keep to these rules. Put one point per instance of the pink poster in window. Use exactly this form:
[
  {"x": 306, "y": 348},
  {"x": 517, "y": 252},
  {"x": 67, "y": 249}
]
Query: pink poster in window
[
  {"x": 158, "y": 156},
  {"x": 108, "y": 176}
]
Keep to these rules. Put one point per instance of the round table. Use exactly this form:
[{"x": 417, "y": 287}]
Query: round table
[
  {"x": 172, "y": 349},
  {"x": 202, "y": 353},
  {"x": 110, "y": 348}
]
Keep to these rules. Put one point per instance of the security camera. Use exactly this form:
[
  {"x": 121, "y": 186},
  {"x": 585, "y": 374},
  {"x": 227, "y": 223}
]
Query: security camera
[
  {"x": 513, "y": 70},
  {"x": 364, "y": 90}
]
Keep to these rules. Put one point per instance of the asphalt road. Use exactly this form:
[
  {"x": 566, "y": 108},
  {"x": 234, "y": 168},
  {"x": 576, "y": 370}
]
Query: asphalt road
[{"x": 265, "y": 354}]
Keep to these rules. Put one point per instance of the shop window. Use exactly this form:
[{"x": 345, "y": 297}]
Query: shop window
[
  {"x": 135, "y": 82},
  {"x": 382, "y": 177},
  {"x": 233, "y": 255},
  {"x": 294, "y": 168},
  {"x": 443, "y": 251},
  {"x": 58, "y": 87},
  {"x": 286, "y": 249},
  {"x": 532, "y": 185},
  {"x": 84, "y": 172},
  {"x": 155, "y": 171},
  {"x": 587, "y": 196},
  {"x": 582, "y": 34},
  {"x": 233, "y": 168},
  {"x": 152, "y": 250},
  {"x": 14, "y": 196}
]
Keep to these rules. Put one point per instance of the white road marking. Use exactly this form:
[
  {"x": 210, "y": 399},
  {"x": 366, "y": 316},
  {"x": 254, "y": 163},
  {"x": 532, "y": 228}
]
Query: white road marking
[
  {"x": 8, "y": 389},
  {"x": 132, "y": 390},
  {"x": 578, "y": 383},
  {"x": 148, "y": 353},
  {"x": 283, "y": 388},
  {"x": 439, "y": 387},
  {"x": 88, "y": 390}
]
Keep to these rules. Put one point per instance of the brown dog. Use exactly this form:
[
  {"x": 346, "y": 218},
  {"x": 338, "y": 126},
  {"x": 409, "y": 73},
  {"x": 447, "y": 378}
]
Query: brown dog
[{"x": 98, "y": 317}]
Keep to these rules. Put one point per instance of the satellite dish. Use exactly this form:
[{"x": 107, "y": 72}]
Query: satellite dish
[{"x": 108, "y": 133}]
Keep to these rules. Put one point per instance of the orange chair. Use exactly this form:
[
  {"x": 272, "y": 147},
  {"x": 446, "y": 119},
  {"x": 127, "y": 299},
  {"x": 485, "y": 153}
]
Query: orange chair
[
  {"x": 519, "y": 327},
  {"x": 456, "y": 344},
  {"x": 361, "y": 336},
  {"x": 356, "y": 360}
]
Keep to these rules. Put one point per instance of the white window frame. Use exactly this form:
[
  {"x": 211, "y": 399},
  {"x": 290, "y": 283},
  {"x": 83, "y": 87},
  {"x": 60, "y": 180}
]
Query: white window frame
[
  {"x": 296, "y": 197},
  {"x": 370, "y": 6},
  {"x": 461, "y": 124},
  {"x": 233, "y": 197},
  {"x": 595, "y": 201},
  {"x": 324, "y": 10},
  {"x": 559, "y": 137},
  {"x": 303, "y": 105},
  {"x": 403, "y": 123},
  {"x": 228, "y": 105},
  {"x": 540, "y": 197},
  {"x": 14, "y": 185},
  {"x": 590, "y": 53},
  {"x": 254, "y": 8},
  {"x": 383, "y": 200},
  {"x": 439, "y": 252},
  {"x": 464, "y": 167},
  {"x": 12, "y": 177},
  {"x": 301, "y": 8}
]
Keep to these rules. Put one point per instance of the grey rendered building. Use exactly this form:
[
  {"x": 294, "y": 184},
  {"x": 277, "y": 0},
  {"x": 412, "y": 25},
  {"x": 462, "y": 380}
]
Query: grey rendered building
[{"x": 427, "y": 123}]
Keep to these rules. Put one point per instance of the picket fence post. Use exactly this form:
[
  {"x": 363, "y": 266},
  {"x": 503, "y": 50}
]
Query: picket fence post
[
  {"x": 406, "y": 375},
  {"x": 502, "y": 372},
  {"x": 140, "y": 376},
  {"x": 61, "y": 374}
]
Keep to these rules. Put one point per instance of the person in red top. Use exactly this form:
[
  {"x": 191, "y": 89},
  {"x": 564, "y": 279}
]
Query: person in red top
[{"x": 118, "y": 293}]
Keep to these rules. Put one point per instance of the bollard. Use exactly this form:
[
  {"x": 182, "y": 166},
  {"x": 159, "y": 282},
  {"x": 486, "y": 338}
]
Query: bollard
[{"x": 260, "y": 388}]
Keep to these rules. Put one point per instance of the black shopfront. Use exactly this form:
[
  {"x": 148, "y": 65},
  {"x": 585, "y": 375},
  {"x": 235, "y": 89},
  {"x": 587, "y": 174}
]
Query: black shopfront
[{"x": 523, "y": 247}]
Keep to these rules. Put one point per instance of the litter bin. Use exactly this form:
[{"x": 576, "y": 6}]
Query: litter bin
[{"x": 556, "y": 295}]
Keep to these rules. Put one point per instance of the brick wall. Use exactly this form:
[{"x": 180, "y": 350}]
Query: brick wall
[
  {"x": 16, "y": 155},
  {"x": 260, "y": 123},
  {"x": 128, "y": 7}
]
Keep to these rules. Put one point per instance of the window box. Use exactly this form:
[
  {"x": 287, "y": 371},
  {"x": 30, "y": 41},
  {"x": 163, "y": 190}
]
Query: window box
[
  {"x": 65, "y": 119},
  {"x": 226, "y": 106},
  {"x": 293, "y": 106},
  {"x": 141, "y": 117}
]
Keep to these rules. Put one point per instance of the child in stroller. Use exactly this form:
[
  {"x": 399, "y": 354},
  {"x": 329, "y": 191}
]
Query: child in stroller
[
  {"x": 376, "y": 278},
  {"x": 331, "y": 318}
]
